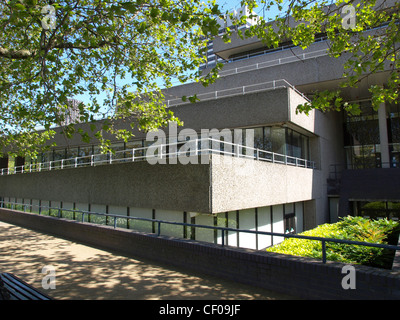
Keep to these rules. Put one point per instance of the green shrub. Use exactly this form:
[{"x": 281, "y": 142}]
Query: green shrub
[{"x": 349, "y": 228}]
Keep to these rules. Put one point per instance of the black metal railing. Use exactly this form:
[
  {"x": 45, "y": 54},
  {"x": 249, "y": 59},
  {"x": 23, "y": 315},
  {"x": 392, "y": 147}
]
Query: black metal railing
[{"x": 224, "y": 230}]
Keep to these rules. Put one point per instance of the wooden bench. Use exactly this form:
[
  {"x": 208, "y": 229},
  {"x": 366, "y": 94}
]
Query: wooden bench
[{"x": 13, "y": 288}]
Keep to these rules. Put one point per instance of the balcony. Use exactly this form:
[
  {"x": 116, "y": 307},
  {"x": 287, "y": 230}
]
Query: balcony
[
  {"x": 199, "y": 175},
  {"x": 185, "y": 152},
  {"x": 239, "y": 91}
]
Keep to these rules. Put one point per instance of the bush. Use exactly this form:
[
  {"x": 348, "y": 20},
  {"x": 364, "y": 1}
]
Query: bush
[{"x": 349, "y": 228}]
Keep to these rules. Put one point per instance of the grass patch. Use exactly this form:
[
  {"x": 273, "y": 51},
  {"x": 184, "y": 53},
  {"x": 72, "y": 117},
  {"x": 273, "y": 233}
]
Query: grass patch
[{"x": 349, "y": 228}]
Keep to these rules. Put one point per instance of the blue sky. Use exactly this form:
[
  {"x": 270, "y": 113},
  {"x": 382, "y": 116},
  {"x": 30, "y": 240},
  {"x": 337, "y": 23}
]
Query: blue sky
[
  {"x": 232, "y": 4},
  {"x": 225, "y": 5}
]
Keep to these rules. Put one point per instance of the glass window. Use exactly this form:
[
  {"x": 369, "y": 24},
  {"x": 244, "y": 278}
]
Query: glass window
[
  {"x": 364, "y": 128},
  {"x": 98, "y": 156},
  {"x": 393, "y": 123},
  {"x": 278, "y": 139},
  {"x": 47, "y": 156},
  {"x": 294, "y": 144},
  {"x": 362, "y": 157},
  {"x": 289, "y": 208},
  {"x": 362, "y": 139},
  {"x": 84, "y": 154},
  {"x": 281, "y": 140},
  {"x": 394, "y": 130},
  {"x": 304, "y": 147},
  {"x": 362, "y": 132},
  {"x": 136, "y": 144},
  {"x": 85, "y": 151},
  {"x": 259, "y": 138},
  {"x": 96, "y": 150},
  {"x": 377, "y": 209},
  {"x": 58, "y": 155},
  {"x": 267, "y": 139},
  {"x": 118, "y": 148},
  {"x": 290, "y": 218},
  {"x": 395, "y": 155},
  {"x": 72, "y": 153}
]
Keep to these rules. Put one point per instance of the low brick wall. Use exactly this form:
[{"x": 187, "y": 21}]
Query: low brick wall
[{"x": 300, "y": 277}]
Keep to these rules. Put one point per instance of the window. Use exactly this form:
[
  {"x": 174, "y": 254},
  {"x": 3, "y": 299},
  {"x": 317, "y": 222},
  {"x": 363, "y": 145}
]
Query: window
[
  {"x": 72, "y": 152},
  {"x": 84, "y": 154},
  {"x": 289, "y": 218},
  {"x": 130, "y": 145},
  {"x": 362, "y": 139},
  {"x": 47, "y": 156},
  {"x": 259, "y": 138},
  {"x": 118, "y": 148},
  {"x": 296, "y": 144},
  {"x": 377, "y": 209},
  {"x": 58, "y": 156},
  {"x": 393, "y": 124},
  {"x": 278, "y": 139},
  {"x": 281, "y": 140}
]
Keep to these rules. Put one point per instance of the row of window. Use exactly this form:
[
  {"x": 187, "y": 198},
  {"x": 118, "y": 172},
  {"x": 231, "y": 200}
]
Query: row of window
[
  {"x": 275, "y": 139},
  {"x": 283, "y": 218},
  {"x": 369, "y": 156},
  {"x": 283, "y": 141},
  {"x": 362, "y": 137}
]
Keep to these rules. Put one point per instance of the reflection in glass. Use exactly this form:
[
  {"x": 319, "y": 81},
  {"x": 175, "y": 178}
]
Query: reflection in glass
[
  {"x": 136, "y": 144},
  {"x": 278, "y": 138},
  {"x": 377, "y": 209},
  {"x": 118, "y": 148}
]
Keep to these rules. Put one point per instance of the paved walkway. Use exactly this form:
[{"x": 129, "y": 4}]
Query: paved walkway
[{"x": 84, "y": 272}]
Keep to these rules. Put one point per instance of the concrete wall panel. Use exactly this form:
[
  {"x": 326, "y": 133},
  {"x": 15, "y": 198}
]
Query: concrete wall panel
[
  {"x": 175, "y": 187},
  {"x": 242, "y": 183}
]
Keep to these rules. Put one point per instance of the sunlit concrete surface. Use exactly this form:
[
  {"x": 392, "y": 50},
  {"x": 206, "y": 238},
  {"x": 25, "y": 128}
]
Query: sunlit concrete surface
[{"x": 87, "y": 273}]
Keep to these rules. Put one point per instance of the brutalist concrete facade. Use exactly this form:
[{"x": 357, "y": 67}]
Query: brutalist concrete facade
[{"x": 249, "y": 94}]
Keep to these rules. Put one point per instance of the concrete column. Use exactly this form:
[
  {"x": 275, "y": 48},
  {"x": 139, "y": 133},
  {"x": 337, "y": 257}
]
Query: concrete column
[{"x": 383, "y": 134}]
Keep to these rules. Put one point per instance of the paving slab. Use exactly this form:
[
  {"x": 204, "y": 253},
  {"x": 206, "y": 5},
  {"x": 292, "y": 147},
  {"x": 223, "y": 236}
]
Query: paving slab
[{"x": 83, "y": 272}]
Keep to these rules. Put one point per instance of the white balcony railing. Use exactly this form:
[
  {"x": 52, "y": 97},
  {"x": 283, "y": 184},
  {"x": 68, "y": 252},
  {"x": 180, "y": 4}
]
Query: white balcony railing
[
  {"x": 218, "y": 94},
  {"x": 193, "y": 148},
  {"x": 275, "y": 62}
]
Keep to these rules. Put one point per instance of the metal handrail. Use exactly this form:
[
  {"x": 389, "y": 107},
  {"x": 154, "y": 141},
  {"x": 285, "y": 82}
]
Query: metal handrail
[
  {"x": 231, "y": 92},
  {"x": 224, "y": 230},
  {"x": 275, "y": 62},
  {"x": 266, "y": 52},
  {"x": 130, "y": 155}
]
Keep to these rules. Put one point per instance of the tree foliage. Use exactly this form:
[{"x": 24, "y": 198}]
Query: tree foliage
[
  {"x": 129, "y": 50},
  {"x": 125, "y": 50},
  {"x": 366, "y": 30}
]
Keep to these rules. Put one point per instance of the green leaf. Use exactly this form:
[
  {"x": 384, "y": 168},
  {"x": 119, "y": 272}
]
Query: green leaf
[{"x": 154, "y": 12}]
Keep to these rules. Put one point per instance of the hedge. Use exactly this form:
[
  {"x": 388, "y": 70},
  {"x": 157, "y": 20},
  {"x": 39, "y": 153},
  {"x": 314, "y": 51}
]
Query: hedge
[{"x": 381, "y": 231}]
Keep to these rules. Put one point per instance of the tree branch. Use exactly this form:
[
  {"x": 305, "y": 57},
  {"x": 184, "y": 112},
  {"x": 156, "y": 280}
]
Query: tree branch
[
  {"x": 26, "y": 54},
  {"x": 17, "y": 54}
]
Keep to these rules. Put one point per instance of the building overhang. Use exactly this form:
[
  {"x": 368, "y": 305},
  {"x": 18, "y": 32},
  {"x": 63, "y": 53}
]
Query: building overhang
[{"x": 221, "y": 184}]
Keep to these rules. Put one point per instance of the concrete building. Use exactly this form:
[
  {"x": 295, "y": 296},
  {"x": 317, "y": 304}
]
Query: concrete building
[{"x": 304, "y": 170}]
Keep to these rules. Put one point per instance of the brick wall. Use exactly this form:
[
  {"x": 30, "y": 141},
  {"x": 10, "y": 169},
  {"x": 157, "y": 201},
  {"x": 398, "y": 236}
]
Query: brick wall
[{"x": 300, "y": 277}]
